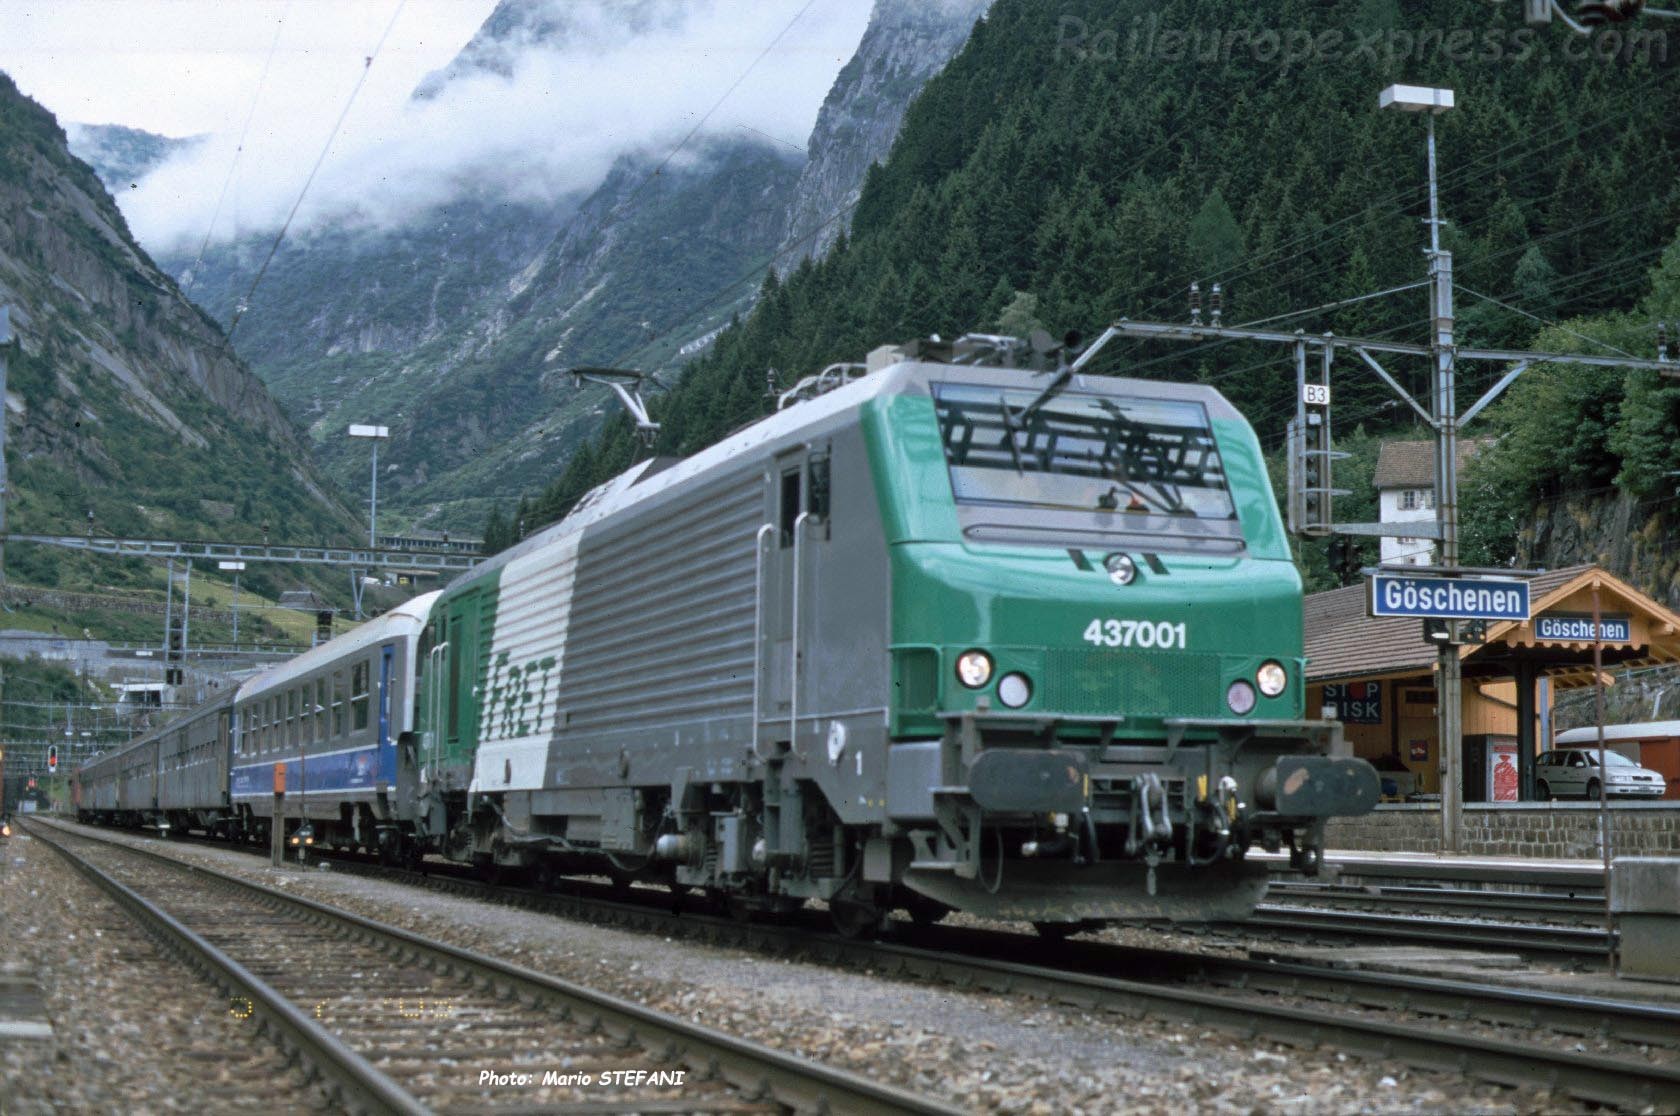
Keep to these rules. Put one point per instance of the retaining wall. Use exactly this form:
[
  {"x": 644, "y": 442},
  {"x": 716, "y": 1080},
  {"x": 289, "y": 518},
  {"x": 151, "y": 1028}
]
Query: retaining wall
[{"x": 1548, "y": 829}]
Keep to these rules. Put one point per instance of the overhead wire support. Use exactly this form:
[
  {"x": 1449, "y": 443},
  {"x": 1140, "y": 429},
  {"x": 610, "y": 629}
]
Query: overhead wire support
[
  {"x": 361, "y": 557},
  {"x": 1311, "y": 450}
]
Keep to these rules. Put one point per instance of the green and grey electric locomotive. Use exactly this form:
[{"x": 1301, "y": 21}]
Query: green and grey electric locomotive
[{"x": 945, "y": 636}]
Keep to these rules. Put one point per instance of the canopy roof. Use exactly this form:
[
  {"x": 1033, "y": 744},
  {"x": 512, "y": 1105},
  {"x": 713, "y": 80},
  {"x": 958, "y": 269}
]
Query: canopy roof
[{"x": 1343, "y": 642}]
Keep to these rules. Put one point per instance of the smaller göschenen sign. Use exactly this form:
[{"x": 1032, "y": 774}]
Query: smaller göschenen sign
[
  {"x": 1579, "y": 629},
  {"x": 1448, "y": 598}
]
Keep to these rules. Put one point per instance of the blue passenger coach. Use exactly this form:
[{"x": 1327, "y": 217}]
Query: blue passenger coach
[{"x": 331, "y": 718}]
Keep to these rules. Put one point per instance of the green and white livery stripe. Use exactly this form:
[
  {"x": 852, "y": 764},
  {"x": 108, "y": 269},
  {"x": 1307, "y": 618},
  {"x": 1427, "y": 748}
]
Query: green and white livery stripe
[{"x": 522, "y": 668}]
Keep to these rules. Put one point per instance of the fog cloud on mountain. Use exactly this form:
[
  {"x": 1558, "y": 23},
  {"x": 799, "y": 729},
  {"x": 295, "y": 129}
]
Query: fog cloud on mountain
[{"x": 614, "y": 82}]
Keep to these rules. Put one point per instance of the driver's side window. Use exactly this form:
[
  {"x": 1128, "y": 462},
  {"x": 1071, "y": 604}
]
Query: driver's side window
[{"x": 1576, "y": 759}]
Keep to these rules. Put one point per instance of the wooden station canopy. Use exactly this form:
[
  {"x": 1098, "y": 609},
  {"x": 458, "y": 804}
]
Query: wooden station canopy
[
  {"x": 1378, "y": 673},
  {"x": 1343, "y": 642}
]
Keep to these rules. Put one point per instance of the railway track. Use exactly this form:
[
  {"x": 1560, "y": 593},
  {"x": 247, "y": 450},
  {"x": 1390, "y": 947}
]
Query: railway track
[
  {"x": 1493, "y": 1032},
  {"x": 394, "y": 1022},
  {"x": 1566, "y": 907},
  {"x": 1573, "y": 943}
]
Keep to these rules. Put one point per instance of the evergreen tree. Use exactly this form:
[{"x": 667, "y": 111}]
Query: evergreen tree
[{"x": 1215, "y": 242}]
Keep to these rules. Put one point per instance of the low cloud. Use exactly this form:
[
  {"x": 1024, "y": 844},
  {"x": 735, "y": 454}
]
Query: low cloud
[{"x": 549, "y": 128}]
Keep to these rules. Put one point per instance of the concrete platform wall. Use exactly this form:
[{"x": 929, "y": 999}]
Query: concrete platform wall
[{"x": 1556, "y": 829}]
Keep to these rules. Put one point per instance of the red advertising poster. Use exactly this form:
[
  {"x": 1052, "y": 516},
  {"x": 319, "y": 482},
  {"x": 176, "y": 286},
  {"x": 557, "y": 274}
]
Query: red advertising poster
[
  {"x": 1420, "y": 751},
  {"x": 1502, "y": 770}
]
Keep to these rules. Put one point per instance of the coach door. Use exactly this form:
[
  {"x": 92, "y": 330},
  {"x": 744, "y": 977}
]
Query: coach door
[
  {"x": 387, "y": 750},
  {"x": 797, "y": 500}
]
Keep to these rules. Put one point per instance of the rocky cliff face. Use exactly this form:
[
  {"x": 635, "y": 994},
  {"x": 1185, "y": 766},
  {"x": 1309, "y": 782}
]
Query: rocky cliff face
[
  {"x": 1633, "y": 541},
  {"x": 125, "y": 402},
  {"x": 518, "y": 25},
  {"x": 122, "y": 156},
  {"x": 907, "y": 42},
  {"x": 454, "y": 331}
]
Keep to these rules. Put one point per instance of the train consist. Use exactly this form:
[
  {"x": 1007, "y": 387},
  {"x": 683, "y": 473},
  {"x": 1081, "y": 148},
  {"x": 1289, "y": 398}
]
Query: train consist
[{"x": 949, "y": 635}]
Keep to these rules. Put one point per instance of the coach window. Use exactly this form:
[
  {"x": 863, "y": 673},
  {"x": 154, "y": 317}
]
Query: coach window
[
  {"x": 359, "y": 696},
  {"x": 320, "y": 708},
  {"x": 292, "y": 718},
  {"x": 338, "y": 703},
  {"x": 269, "y": 730}
]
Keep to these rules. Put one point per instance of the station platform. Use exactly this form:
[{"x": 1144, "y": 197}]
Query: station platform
[{"x": 1559, "y": 873}]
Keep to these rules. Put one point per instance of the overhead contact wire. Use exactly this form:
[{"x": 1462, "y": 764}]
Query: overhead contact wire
[
  {"x": 239, "y": 149},
  {"x": 361, "y": 80}
]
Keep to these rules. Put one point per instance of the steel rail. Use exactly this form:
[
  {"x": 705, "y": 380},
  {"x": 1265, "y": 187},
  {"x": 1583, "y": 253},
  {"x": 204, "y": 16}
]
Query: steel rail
[
  {"x": 758, "y": 1071},
  {"x": 980, "y": 958},
  {"x": 1528, "y": 938},
  {"x": 356, "y": 1083},
  {"x": 1536, "y": 903},
  {"x": 1500, "y": 1004}
]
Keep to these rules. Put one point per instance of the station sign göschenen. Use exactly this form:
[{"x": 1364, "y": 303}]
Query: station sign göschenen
[{"x": 1448, "y": 598}]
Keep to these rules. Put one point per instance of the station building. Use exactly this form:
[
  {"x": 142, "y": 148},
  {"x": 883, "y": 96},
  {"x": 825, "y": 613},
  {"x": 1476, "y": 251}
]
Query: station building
[{"x": 1377, "y": 676}]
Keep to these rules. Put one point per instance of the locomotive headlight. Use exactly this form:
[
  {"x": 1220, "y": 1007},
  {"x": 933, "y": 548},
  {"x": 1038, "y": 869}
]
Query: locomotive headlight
[
  {"x": 974, "y": 669},
  {"x": 1015, "y": 690},
  {"x": 1272, "y": 677},
  {"x": 1240, "y": 697},
  {"x": 1121, "y": 569}
]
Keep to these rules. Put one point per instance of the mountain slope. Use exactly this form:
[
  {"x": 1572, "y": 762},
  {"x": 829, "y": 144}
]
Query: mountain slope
[
  {"x": 125, "y": 403},
  {"x": 452, "y": 330},
  {"x": 121, "y": 156},
  {"x": 906, "y": 43},
  {"x": 1076, "y": 159}
]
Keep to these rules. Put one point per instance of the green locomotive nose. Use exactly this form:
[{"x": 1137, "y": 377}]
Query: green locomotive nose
[
  {"x": 1123, "y": 563},
  {"x": 1028, "y": 629},
  {"x": 1096, "y": 650}
]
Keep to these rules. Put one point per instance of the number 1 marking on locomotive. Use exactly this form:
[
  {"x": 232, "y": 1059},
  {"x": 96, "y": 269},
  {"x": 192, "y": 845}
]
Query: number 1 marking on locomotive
[{"x": 1135, "y": 633}]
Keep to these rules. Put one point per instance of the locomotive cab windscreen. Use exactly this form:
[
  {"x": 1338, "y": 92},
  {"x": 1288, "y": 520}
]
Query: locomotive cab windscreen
[{"x": 1025, "y": 463}]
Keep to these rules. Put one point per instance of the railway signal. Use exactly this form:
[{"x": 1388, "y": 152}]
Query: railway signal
[{"x": 52, "y": 759}]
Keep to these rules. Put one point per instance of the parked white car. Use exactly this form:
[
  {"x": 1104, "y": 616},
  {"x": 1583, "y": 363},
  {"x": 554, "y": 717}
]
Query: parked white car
[{"x": 1567, "y": 772}]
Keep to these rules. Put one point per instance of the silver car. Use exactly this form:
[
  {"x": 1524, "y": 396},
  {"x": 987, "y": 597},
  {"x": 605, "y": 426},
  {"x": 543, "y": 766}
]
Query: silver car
[{"x": 1566, "y": 772}]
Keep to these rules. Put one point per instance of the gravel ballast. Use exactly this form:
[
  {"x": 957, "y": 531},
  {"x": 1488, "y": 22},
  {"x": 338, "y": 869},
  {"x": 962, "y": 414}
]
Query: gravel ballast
[
  {"x": 134, "y": 1030},
  {"x": 985, "y": 1052}
]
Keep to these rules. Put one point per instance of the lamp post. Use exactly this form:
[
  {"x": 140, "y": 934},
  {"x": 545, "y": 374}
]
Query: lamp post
[
  {"x": 8, "y": 342},
  {"x": 375, "y": 435},
  {"x": 1431, "y": 102},
  {"x": 236, "y": 568}
]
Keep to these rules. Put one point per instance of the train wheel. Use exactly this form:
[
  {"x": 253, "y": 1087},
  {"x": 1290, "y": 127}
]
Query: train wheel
[
  {"x": 924, "y": 911},
  {"x": 853, "y": 919},
  {"x": 1057, "y": 931}
]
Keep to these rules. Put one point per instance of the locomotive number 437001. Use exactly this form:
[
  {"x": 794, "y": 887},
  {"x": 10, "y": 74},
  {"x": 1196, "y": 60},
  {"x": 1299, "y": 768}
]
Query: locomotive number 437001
[{"x": 1134, "y": 633}]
